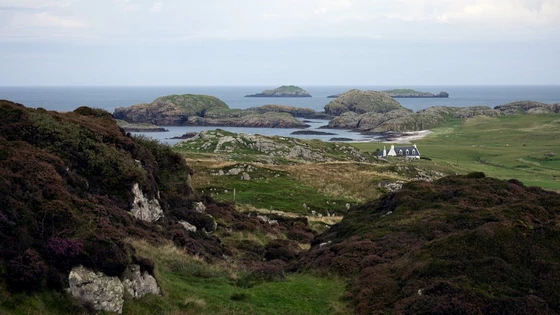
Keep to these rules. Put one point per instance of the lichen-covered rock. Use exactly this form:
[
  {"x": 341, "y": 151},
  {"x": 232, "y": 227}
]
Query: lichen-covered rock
[
  {"x": 189, "y": 227},
  {"x": 138, "y": 283},
  {"x": 144, "y": 208},
  {"x": 102, "y": 292},
  {"x": 527, "y": 107},
  {"x": 199, "y": 207}
]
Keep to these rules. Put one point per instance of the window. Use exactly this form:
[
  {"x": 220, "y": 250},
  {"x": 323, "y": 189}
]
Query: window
[
  {"x": 413, "y": 151},
  {"x": 406, "y": 151},
  {"x": 400, "y": 152}
]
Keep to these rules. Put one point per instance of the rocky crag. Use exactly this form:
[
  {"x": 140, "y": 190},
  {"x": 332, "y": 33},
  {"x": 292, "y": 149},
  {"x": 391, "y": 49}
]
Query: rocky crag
[
  {"x": 461, "y": 244},
  {"x": 269, "y": 150},
  {"x": 283, "y": 91}
]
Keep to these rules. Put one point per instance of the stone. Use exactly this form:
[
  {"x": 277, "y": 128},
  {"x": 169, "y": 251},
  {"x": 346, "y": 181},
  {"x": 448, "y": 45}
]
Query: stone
[
  {"x": 138, "y": 283},
  {"x": 143, "y": 208},
  {"x": 102, "y": 292},
  {"x": 199, "y": 207},
  {"x": 245, "y": 176},
  {"x": 189, "y": 227}
]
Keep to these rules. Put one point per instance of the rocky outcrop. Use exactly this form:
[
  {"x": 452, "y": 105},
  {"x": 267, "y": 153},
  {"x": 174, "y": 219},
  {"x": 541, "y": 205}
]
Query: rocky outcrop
[
  {"x": 292, "y": 110},
  {"x": 139, "y": 283},
  {"x": 527, "y": 107},
  {"x": 105, "y": 293},
  {"x": 361, "y": 102},
  {"x": 271, "y": 148},
  {"x": 266, "y": 120},
  {"x": 283, "y": 91},
  {"x": 144, "y": 208},
  {"x": 189, "y": 227},
  {"x": 102, "y": 292},
  {"x": 142, "y": 127},
  {"x": 171, "y": 110}
]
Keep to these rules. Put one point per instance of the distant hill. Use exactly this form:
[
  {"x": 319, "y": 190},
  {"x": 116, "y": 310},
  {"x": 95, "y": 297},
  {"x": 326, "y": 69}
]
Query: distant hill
[
  {"x": 462, "y": 245},
  {"x": 407, "y": 93}
]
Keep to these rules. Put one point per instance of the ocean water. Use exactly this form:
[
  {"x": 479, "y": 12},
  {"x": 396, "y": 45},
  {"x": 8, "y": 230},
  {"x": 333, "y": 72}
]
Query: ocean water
[{"x": 68, "y": 98}]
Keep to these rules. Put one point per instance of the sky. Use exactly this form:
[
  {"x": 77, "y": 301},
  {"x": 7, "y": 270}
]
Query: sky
[{"x": 276, "y": 42}]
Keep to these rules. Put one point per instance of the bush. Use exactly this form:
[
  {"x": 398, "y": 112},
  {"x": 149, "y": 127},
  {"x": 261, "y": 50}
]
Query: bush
[
  {"x": 281, "y": 249},
  {"x": 63, "y": 252},
  {"x": 27, "y": 271}
]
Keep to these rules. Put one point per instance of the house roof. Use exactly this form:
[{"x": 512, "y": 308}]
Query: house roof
[{"x": 409, "y": 148}]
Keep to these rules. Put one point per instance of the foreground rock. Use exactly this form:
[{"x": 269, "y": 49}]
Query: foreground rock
[
  {"x": 283, "y": 91},
  {"x": 106, "y": 293}
]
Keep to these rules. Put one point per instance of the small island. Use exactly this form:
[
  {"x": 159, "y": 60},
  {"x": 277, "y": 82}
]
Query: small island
[
  {"x": 407, "y": 93},
  {"x": 312, "y": 133},
  {"x": 283, "y": 91}
]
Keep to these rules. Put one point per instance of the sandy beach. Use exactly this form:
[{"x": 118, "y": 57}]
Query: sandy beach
[{"x": 407, "y": 137}]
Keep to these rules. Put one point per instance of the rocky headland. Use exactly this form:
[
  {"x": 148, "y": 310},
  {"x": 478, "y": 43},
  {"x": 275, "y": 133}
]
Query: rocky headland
[{"x": 283, "y": 91}]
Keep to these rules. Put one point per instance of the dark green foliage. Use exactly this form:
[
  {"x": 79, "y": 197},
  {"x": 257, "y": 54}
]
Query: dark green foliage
[{"x": 460, "y": 245}]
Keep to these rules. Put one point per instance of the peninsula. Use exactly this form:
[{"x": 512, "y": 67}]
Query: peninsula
[{"x": 283, "y": 91}]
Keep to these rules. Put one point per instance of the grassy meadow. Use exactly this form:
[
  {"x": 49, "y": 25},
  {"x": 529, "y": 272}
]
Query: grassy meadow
[{"x": 524, "y": 147}]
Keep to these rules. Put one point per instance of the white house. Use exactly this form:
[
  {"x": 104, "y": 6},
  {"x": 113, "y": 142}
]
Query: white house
[{"x": 409, "y": 152}]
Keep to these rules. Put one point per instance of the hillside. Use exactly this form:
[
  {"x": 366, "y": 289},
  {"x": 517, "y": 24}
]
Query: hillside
[
  {"x": 91, "y": 218},
  {"x": 462, "y": 244}
]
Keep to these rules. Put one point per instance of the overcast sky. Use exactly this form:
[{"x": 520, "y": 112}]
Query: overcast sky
[{"x": 275, "y": 42}]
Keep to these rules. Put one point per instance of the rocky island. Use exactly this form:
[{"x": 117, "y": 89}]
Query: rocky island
[
  {"x": 407, "y": 93},
  {"x": 283, "y": 91},
  {"x": 203, "y": 110}
]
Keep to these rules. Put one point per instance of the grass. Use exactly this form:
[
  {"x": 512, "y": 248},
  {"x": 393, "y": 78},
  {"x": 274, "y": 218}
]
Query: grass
[
  {"x": 525, "y": 147},
  {"x": 192, "y": 286}
]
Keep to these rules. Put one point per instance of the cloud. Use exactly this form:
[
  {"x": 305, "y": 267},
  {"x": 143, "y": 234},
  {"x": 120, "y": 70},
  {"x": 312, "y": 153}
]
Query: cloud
[{"x": 436, "y": 20}]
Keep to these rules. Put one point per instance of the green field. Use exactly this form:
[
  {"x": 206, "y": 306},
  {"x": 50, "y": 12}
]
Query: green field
[{"x": 524, "y": 147}]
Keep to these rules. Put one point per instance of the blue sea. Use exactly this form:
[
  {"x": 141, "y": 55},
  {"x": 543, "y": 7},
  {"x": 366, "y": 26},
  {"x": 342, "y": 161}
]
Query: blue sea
[{"x": 68, "y": 98}]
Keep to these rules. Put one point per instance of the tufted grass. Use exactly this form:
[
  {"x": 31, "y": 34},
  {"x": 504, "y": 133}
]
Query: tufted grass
[{"x": 192, "y": 286}]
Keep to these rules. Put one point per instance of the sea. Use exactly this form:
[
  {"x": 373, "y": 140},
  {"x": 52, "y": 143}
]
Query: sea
[{"x": 68, "y": 98}]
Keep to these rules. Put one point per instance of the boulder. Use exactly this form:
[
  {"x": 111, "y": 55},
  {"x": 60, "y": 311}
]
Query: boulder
[
  {"x": 143, "y": 208},
  {"x": 102, "y": 292},
  {"x": 138, "y": 283},
  {"x": 189, "y": 227}
]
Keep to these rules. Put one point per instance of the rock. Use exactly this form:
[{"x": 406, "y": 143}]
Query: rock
[
  {"x": 199, "y": 207},
  {"x": 138, "y": 284},
  {"x": 189, "y": 227},
  {"x": 186, "y": 135},
  {"x": 171, "y": 110},
  {"x": 362, "y": 102},
  {"x": 283, "y": 91},
  {"x": 266, "y": 120},
  {"x": 102, "y": 292},
  {"x": 341, "y": 139},
  {"x": 245, "y": 176},
  {"x": 527, "y": 107},
  {"x": 144, "y": 209}
]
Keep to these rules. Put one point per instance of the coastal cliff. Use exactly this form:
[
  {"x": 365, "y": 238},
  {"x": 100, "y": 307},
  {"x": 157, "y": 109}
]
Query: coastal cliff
[{"x": 283, "y": 91}]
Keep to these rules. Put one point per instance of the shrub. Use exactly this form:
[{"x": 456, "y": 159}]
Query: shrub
[
  {"x": 281, "y": 249},
  {"x": 476, "y": 175},
  {"x": 63, "y": 251},
  {"x": 27, "y": 271}
]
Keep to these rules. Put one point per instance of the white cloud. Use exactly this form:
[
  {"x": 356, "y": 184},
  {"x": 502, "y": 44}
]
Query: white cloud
[{"x": 265, "y": 19}]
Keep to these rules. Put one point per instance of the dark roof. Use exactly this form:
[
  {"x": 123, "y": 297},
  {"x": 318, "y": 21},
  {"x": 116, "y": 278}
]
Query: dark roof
[{"x": 409, "y": 148}]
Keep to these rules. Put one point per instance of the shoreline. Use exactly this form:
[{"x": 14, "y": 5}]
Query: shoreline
[{"x": 407, "y": 137}]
